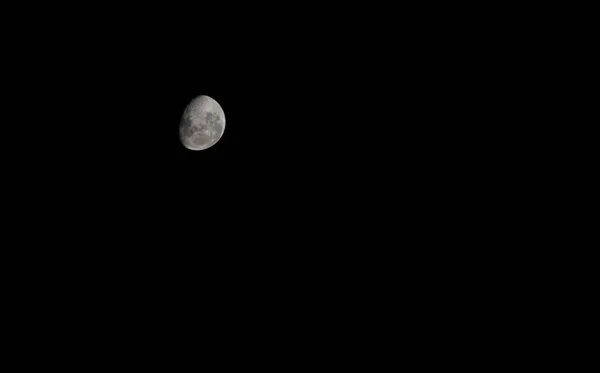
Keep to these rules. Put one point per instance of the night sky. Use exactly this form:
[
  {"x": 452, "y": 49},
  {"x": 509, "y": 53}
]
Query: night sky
[
  {"x": 370, "y": 168},
  {"x": 327, "y": 123},
  {"x": 343, "y": 129}
]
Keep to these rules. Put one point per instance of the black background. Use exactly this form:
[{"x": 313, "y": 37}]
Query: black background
[
  {"x": 360, "y": 146},
  {"x": 344, "y": 128}
]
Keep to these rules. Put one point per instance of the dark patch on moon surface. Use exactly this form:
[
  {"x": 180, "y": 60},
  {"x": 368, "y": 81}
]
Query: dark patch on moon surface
[
  {"x": 200, "y": 140},
  {"x": 214, "y": 120},
  {"x": 186, "y": 127}
]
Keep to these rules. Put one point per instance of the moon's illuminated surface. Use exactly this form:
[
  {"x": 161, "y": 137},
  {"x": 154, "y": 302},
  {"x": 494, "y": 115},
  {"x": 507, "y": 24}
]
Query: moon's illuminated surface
[{"x": 202, "y": 124}]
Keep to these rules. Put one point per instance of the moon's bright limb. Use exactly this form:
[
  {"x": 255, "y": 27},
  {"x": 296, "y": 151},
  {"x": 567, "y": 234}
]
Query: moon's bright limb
[{"x": 202, "y": 124}]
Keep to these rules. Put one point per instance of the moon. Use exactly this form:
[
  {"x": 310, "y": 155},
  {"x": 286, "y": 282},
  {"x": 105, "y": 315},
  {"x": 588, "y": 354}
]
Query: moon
[{"x": 202, "y": 124}]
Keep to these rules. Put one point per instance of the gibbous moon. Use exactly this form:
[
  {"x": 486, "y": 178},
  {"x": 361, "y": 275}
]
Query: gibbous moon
[{"x": 202, "y": 124}]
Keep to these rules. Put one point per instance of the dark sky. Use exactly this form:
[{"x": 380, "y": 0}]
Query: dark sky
[
  {"x": 332, "y": 124},
  {"x": 362, "y": 160}
]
